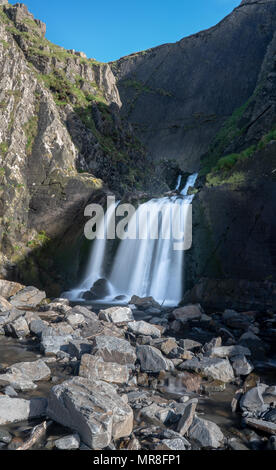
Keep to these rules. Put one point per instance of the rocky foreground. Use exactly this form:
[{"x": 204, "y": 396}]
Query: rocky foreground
[{"x": 134, "y": 377}]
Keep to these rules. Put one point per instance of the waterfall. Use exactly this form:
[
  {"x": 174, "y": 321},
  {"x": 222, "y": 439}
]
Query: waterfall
[{"x": 146, "y": 263}]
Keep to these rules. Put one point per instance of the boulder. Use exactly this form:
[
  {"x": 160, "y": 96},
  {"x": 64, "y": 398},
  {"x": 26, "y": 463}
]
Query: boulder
[
  {"x": 206, "y": 434},
  {"x": 9, "y": 289},
  {"x": 230, "y": 351},
  {"x": 144, "y": 303},
  {"x": 14, "y": 410},
  {"x": 68, "y": 443},
  {"x": 188, "y": 313},
  {"x": 75, "y": 319},
  {"x": 144, "y": 328},
  {"x": 189, "y": 344},
  {"x": 113, "y": 349},
  {"x": 241, "y": 365},
  {"x": 186, "y": 419},
  {"x": 93, "y": 367},
  {"x": 34, "y": 371},
  {"x": 116, "y": 315},
  {"x": 18, "y": 328},
  {"x": 152, "y": 360},
  {"x": 217, "y": 369},
  {"x": 29, "y": 296},
  {"x": 253, "y": 402},
  {"x": 93, "y": 409},
  {"x": 52, "y": 342},
  {"x": 76, "y": 348},
  {"x": 5, "y": 306}
]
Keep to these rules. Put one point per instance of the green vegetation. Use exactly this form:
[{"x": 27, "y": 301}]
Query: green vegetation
[
  {"x": 40, "y": 240},
  {"x": 235, "y": 179},
  {"x": 5, "y": 44},
  {"x": 31, "y": 128},
  {"x": 226, "y": 163},
  {"x": 4, "y": 146},
  {"x": 229, "y": 131}
]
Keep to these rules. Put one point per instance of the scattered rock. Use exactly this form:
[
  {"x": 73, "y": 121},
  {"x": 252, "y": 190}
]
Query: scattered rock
[
  {"x": 230, "y": 351},
  {"x": 144, "y": 303},
  {"x": 241, "y": 365},
  {"x": 215, "y": 368},
  {"x": 93, "y": 409},
  {"x": 189, "y": 344},
  {"x": 113, "y": 349},
  {"x": 29, "y": 296},
  {"x": 261, "y": 425},
  {"x": 93, "y": 367},
  {"x": 9, "y": 289},
  {"x": 18, "y": 328},
  {"x": 187, "y": 418},
  {"x": 252, "y": 400},
  {"x": 5, "y": 436},
  {"x": 116, "y": 315},
  {"x": 152, "y": 360},
  {"x": 14, "y": 410},
  {"x": 206, "y": 433},
  {"x": 143, "y": 328},
  {"x": 68, "y": 442},
  {"x": 188, "y": 313}
]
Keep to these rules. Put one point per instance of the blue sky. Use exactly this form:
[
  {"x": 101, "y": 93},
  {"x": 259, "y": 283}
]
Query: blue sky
[{"x": 110, "y": 29}]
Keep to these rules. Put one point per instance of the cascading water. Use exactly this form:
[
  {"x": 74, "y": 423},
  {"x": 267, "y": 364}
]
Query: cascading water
[{"x": 146, "y": 264}]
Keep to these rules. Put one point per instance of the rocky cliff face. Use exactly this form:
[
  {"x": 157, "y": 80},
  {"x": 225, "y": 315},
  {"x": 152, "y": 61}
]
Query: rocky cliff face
[
  {"x": 178, "y": 96},
  {"x": 61, "y": 141}
]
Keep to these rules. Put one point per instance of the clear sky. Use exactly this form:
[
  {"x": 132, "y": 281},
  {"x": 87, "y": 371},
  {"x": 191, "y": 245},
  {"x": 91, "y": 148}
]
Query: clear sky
[{"x": 109, "y": 29}]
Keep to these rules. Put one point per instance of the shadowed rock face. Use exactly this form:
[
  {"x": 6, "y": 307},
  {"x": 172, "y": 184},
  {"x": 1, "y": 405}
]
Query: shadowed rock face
[{"x": 178, "y": 95}]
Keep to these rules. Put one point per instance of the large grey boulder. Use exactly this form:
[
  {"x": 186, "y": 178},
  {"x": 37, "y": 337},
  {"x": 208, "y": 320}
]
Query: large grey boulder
[
  {"x": 152, "y": 360},
  {"x": 29, "y": 296},
  {"x": 116, "y": 315},
  {"x": 94, "y": 367},
  {"x": 18, "y": 328},
  {"x": 253, "y": 402},
  {"x": 145, "y": 329},
  {"x": 241, "y": 365},
  {"x": 187, "y": 417},
  {"x": 206, "y": 434},
  {"x": 215, "y": 368},
  {"x": 93, "y": 409},
  {"x": 113, "y": 349},
  {"x": 188, "y": 313},
  {"x": 14, "y": 410},
  {"x": 53, "y": 341}
]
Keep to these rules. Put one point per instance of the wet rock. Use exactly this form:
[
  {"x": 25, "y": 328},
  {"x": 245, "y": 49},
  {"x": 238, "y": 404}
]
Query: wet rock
[
  {"x": 186, "y": 420},
  {"x": 93, "y": 409},
  {"x": 152, "y": 360},
  {"x": 93, "y": 367},
  {"x": 230, "y": 351},
  {"x": 18, "y": 328},
  {"x": 144, "y": 303},
  {"x": 206, "y": 433},
  {"x": 188, "y": 313},
  {"x": 68, "y": 443},
  {"x": 270, "y": 416},
  {"x": 241, "y": 365},
  {"x": 5, "y": 436},
  {"x": 235, "y": 444},
  {"x": 14, "y": 410},
  {"x": 143, "y": 328},
  {"x": 252, "y": 401},
  {"x": 217, "y": 369},
  {"x": 261, "y": 425},
  {"x": 116, "y": 315},
  {"x": 29, "y": 296},
  {"x": 113, "y": 349}
]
